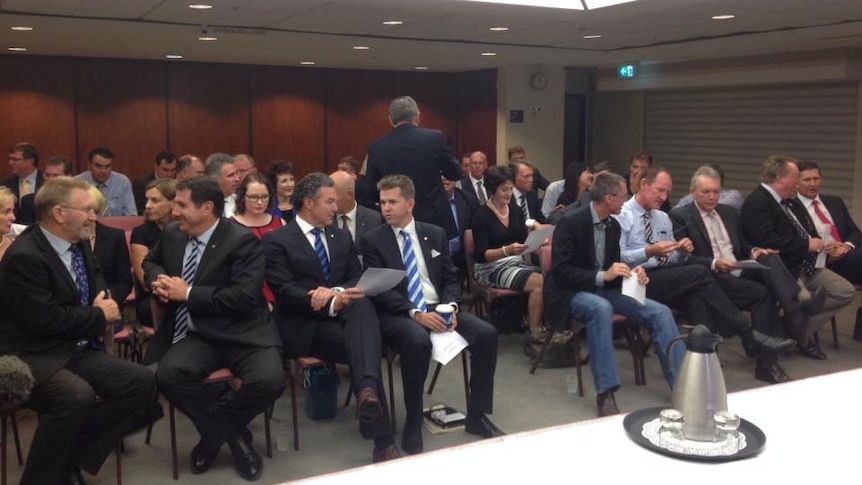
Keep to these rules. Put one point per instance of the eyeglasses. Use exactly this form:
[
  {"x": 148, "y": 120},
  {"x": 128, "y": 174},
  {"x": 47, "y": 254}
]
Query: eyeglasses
[
  {"x": 86, "y": 210},
  {"x": 257, "y": 198}
]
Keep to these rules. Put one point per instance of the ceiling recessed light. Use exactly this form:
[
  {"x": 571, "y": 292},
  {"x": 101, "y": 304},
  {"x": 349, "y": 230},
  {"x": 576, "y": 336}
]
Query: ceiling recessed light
[
  {"x": 489, "y": 54},
  {"x": 307, "y": 63},
  {"x": 421, "y": 68},
  {"x": 18, "y": 49},
  {"x": 207, "y": 38},
  {"x": 174, "y": 56},
  {"x": 723, "y": 17},
  {"x": 592, "y": 36},
  {"x": 498, "y": 29},
  {"x": 361, "y": 48},
  {"x": 393, "y": 22},
  {"x": 200, "y": 6},
  {"x": 21, "y": 28}
]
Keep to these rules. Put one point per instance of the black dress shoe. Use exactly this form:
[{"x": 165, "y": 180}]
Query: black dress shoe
[
  {"x": 812, "y": 351},
  {"x": 368, "y": 406},
  {"x": 411, "y": 439},
  {"x": 386, "y": 454},
  {"x": 771, "y": 373},
  {"x": 246, "y": 461},
  {"x": 74, "y": 477},
  {"x": 606, "y": 404},
  {"x": 482, "y": 426},
  {"x": 202, "y": 458},
  {"x": 760, "y": 343}
]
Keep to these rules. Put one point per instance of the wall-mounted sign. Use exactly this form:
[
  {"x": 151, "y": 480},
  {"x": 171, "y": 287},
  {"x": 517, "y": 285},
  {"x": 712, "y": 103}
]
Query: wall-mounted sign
[{"x": 516, "y": 116}]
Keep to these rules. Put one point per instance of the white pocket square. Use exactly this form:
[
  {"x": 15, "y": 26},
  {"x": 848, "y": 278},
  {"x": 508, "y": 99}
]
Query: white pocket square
[{"x": 435, "y": 253}]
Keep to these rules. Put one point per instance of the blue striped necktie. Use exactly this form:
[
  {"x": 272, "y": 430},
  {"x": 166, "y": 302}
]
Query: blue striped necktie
[
  {"x": 321, "y": 253},
  {"x": 414, "y": 283},
  {"x": 80, "y": 274},
  {"x": 190, "y": 266}
]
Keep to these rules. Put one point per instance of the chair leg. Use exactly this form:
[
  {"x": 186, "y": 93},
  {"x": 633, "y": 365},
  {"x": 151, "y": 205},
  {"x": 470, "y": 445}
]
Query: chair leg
[
  {"x": 632, "y": 337},
  {"x": 3, "y": 450},
  {"x": 434, "y": 378},
  {"x": 119, "y": 453},
  {"x": 544, "y": 348},
  {"x": 389, "y": 359},
  {"x": 267, "y": 415},
  {"x": 173, "y": 424},
  {"x": 576, "y": 342},
  {"x": 13, "y": 418},
  {"x": 293, "y": 414},
  {"x": 466, "y": 370},
  {"x": 835, "y": 333}
]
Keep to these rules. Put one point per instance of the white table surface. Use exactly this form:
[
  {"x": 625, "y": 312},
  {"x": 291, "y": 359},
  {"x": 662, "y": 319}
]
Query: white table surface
[{"x": 813, "y": 435}]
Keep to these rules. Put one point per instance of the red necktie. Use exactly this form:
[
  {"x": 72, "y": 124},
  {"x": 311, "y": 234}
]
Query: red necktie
[{"x": 825, "y": 220}]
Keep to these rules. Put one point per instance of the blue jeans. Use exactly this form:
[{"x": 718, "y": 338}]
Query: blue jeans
[{"x": 596, "y": 310}]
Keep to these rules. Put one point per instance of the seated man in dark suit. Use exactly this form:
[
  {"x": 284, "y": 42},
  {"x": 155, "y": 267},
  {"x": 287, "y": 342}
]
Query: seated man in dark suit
[
  {"x": 585, "y": 282},
  {"x": 462, "y": 211},
  {"x": 524, "y": 197},
  {"x": 716, "y": 234},
  {"x": 473, "y": 184},
  {"x": 845, "y": 256},
  {"x": 208, "y": 273},
  {"x": 352, "y": 217},
  {"x": 407, "y": 311},
  {"x": 54, "y": 313},
  {"x": 312, "y": 269},
  {"x": 773, "y": 218},
  {"x": 26, "y": 179}
]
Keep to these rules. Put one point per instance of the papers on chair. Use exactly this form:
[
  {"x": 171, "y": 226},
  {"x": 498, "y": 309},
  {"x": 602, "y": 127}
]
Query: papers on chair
[
  {"x": 751, "y": 264},
  {"x": 446, "y": 345},
  {"x": 632, "y": 288},
  {"x": 375, "y": 281},
  {"x": 537, "y": 238}
]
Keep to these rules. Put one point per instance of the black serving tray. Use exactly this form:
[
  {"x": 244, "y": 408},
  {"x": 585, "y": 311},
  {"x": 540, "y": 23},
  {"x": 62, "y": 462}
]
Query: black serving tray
[{"x": 633, "y": 423}]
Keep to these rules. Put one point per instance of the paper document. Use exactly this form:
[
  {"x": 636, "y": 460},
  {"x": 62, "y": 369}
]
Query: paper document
[
  {"x": 751, "y": 264},
  {"x": 446, "y": 345},
  {"x": 537, "y": 238},
  {"x": 375, "y": 281},
  {"x": 632, "y": 288},
  {"x": 821, "y": 260}
]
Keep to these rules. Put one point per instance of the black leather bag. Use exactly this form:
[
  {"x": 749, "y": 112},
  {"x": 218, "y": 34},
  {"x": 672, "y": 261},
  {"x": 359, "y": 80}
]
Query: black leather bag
[{"x": 321, "y": 386}]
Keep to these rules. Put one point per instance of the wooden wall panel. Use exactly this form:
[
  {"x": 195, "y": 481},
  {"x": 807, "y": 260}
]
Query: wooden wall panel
[
  {"x": 288, "y": 117},
  {"x": 37, "y": 100},
  {"x": 477, "y": 113},
  {"x": 121, "y": 105},
  {"x": 208, "y": 108},
  {"x": 436, "y": 95},
  {"x": 357, "y": 112}
]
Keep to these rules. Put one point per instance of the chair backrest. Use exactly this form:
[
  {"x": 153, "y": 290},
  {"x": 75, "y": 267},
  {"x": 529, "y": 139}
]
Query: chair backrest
[
  {"x": 470, "y": 260},
  {"x": 126, "y": 223},
  {"x": 545, "y": 259}
]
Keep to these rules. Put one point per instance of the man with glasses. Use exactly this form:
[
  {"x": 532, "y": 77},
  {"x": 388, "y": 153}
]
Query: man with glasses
[
  {"x": 56, "y": 311},
  {"x": 115, "y": 186},
  {"x": 25, "y": 180}
]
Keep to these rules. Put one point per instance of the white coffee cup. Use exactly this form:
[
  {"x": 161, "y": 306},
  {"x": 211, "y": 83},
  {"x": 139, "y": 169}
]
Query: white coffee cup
[{"x": 446, "y": 311}]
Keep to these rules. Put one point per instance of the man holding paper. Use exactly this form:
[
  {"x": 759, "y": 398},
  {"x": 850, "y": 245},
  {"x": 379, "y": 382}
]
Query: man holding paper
[
  {"x": 407, "y": 316},
  {"x": 585, "y": 282}
]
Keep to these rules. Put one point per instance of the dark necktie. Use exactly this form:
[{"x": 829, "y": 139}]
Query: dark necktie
[
  {"x": 650, "y": 239},
  {"x": 811, "y": 258},
  {"x": 480, "y": 193},
  {"x": 80, "y": 270},
  {"x": 825, "y": 220},
  {"x": 321, "y": 253},
  {"x": 524, "y": 206},
  {"x": 190, "y": 267},
  {"x": 454, "y": 210},
  {"x": 600, "y": 241},
  {"x": 345, "y": 223},
  {"x": 414, "y": 283}
]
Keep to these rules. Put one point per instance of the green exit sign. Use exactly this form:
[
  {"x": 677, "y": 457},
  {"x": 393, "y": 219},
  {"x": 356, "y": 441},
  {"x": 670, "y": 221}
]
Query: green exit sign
[{"x": 627, "y": 71}]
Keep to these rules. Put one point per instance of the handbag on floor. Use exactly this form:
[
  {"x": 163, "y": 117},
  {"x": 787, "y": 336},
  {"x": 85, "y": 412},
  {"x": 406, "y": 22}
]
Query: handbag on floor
[{"x": 321, "y": 389}]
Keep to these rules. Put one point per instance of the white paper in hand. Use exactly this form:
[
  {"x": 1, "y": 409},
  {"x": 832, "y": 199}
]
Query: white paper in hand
[
  {"x": 446, "y": 345},
  {"x": 632, "y": 288},
  {"x": 537, "y": 238},
  {"x": 375, "y": 281}
]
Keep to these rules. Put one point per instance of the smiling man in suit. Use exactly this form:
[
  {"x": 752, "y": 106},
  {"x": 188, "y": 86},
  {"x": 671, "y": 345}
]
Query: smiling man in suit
[
  {"x": 312, "y": 269},
  {"x": 407, "y": 311},
  {"x": 53, "y": 314},
  {"x": 209, "y": 272},
  {"x": 352, "y": 217}
]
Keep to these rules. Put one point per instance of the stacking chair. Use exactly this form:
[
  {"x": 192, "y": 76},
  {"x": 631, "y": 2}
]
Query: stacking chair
[
  {"x": 7, "y": 410},
  {"x": 834, "y": 323},
  {"x": 466, "y": 376},
  {"x": 485, "y": 295}
]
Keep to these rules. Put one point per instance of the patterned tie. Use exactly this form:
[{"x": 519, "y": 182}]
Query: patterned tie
[
  {"x": 321, "y": 253},
  {"x": 26, "y": 188},
  {"x": 190, "y": 266},
  {"x": 811, "y": 258},
  {"x": 524, "y": 206},
  {"x": 481, "y": 193},
  {"x": 647, "y": 217},
  {"x": 825, "y": 220},
  {"x": 414, "y": 284},
  {"x": 80, "y": 274},
  {"x": 724, "y": 249},
  {"x": 345, "y": 222}
]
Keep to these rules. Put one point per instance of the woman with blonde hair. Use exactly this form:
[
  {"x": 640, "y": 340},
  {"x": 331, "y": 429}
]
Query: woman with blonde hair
[{"x": 7, "y": 217}]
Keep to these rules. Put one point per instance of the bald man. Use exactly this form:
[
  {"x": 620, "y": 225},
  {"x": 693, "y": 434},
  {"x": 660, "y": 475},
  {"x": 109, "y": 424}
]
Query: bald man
[{"x": 352, "y": 217}]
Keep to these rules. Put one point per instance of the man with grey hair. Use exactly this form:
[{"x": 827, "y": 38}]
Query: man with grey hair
[
  {"x": 421, "y": 154},
  {"x": 585, "y": 282},
  {"x": 244, "y": 165},
  {"x": 222, "y": 167}
]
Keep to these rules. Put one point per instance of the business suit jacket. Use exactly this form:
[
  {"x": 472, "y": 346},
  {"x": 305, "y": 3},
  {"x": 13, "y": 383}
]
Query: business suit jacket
[
  {"x": 112, "y": 253},
  {"x": 847, "y": 229},
  {"x": 423, "y": 155},
  {"x": 292, "y": 269},
  {"x": 226, "y": 303},
  {"x": 573, "y": 266},
  {"x": 533, "y": 205},
  {"x": 42, "y": 319},
  {"x": 470, "y": 191},
  {"x": 687, "y": 222},
  {"x": 366, "y": 219},
  {"x": 25, "y": 207},
  {"x": 139, "y": 189},
  {"x": 765, "y": 224}
]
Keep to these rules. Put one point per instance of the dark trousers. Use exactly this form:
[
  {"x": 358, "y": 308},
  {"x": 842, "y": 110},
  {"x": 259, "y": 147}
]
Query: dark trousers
[
  {"x": 413, "y": 342},
  {"x": 850, "y": 266},
  {"x": 747, "y": 294},
  {"x": 353, "y": 338},
  {"x": 215, "y": 409},
  {"x": 76, "y": 430}
]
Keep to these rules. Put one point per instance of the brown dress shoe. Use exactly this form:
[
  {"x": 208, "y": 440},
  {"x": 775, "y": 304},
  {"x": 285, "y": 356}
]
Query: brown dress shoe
[
  {"x": 386, "y": 454},
  {"x": 606, "y": 404},
  {"x": 368, "y": 406}
]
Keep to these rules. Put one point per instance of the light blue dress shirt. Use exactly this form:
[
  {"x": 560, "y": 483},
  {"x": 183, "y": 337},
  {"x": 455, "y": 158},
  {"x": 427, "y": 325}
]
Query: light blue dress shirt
[
  {"x": 632, "y": 241},
  {"x": 118, "y": 192}
]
